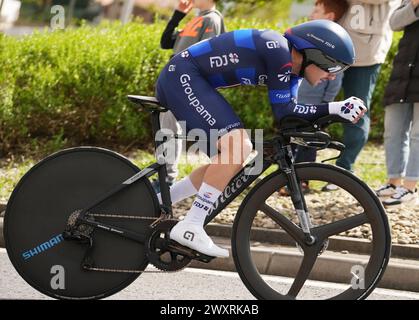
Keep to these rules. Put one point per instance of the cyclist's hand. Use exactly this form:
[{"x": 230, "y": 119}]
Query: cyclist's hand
[
  {"x": 185, "y": 6},
  {"x": 351, "y": 109}
]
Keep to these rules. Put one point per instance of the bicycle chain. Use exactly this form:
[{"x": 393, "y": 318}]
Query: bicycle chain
[{"x": 103, "y": 215}]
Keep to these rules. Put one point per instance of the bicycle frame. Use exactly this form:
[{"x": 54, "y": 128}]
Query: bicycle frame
[
  {"x": 240, "y": 182},
  {"x": 282, "y": 156}
]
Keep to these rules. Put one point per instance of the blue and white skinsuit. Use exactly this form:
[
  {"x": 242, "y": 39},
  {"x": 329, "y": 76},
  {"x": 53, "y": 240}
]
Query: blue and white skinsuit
[{"x": 188, "y": 84}]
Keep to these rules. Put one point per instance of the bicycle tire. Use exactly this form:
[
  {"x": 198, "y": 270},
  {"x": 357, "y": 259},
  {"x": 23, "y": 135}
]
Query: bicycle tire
[
  {"x": 38, "y": 211},
  {"x": 241, "y": 236}
]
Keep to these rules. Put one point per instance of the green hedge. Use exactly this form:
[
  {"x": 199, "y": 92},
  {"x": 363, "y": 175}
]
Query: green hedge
[
  {"x": 68, "y": 87},
  {"x": 72, "y": 84}
]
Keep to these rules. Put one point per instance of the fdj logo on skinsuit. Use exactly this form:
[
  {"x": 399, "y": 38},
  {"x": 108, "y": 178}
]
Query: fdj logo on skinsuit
[
  {"x": 305, "y": 109},
  {"x": 222, "y": 61}
]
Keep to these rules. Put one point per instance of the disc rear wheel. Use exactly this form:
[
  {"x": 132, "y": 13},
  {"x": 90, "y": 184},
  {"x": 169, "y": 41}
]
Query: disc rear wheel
[{"x": 42, "y": 204}]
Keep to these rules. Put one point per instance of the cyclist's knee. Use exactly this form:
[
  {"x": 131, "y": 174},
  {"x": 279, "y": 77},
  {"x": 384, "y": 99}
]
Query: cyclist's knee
[
  {"x": 237, "y": 145},
  {"x": 247, "y": 148}
]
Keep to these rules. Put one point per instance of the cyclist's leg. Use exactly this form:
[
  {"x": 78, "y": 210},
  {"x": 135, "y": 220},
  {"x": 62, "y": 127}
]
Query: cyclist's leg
[
  {"x": 183, "y": 90},
  {"x": 222, "y": 169},
  {"x": 193, "y": 100}
]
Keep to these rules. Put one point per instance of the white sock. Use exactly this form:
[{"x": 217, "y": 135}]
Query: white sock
[
  {"x": 203, "y": 204},
  {"x": 181, "y": 190}
]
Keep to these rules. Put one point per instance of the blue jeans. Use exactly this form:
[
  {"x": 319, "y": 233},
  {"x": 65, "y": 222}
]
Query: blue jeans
[
  {"x": 401, "y": 141},
  {"x": 359, "y": 82}
]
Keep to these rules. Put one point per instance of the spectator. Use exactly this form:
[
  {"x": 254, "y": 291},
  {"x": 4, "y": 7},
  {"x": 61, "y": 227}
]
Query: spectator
[
  {"x": 401, "y": 127},
  {"x": 207, "y": 24},
  {"x": 328, "y": 90},
  {"x": 367, "y": 22}
]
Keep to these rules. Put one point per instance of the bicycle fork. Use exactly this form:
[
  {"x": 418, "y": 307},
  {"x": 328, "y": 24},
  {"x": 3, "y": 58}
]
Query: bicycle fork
[{"x": 285, "y": 160}]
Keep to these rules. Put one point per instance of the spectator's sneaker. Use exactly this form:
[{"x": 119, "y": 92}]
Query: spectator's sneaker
[
  {"x": 402, "y": 195},
  {"x": 330, "y": 187},
  {"x": 194, "y": 236},
  {"x": 387, "y": 190}
]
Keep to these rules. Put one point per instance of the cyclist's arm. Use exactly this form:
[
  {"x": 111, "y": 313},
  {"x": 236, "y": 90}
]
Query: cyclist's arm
[
  {"x": 169, "y": 35},
  {"x": 282, "y": 85}
]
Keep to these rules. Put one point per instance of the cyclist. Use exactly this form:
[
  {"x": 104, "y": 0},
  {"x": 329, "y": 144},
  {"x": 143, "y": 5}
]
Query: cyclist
[{"x": 316, "y": 50}]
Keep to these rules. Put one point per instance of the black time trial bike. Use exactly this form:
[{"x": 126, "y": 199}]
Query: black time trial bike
[{"x": 92, "y": 214}]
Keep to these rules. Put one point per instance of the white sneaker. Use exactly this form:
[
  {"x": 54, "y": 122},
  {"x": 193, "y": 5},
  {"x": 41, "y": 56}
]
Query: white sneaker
[
  {"x": 194, "y": 236},
  {"x": 402, "y": 195},
  {"x": 387, "y": 190}
]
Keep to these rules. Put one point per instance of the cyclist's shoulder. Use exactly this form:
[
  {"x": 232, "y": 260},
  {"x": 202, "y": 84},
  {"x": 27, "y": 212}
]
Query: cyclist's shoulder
[
  {"x": 272, "y": 38},
  {"x": 258, "y": 36}
]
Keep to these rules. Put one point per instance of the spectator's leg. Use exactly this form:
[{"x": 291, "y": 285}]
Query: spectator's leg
[
  {"x": 412, "y": 171},
  {"x": 168, "y": 121},
  {"x": 359, "y": 82},
  {"x": 396, "y": 140}
]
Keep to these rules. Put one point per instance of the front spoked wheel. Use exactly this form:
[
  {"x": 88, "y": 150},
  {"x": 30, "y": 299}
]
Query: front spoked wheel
[{"x": 326, "y": 269}]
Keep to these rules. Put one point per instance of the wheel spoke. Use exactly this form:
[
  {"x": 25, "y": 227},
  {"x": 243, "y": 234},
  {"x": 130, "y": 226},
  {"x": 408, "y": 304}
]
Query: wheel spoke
[
  {"x": 334, "y": 228},
  {"x": 307, "y": 264},
  {"x": 292, "y": 229}
]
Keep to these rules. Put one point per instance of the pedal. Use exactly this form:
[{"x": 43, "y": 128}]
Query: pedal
[{"x": 190, "y": 253}]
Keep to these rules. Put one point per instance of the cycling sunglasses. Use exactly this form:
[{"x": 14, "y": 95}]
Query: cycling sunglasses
[{"x": 324, "y": 62}]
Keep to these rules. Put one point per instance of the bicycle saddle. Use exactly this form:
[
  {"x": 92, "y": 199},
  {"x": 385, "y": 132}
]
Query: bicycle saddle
[{"x": 149, "y": 103}]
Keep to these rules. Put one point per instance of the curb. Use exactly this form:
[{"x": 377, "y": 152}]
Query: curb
[
  {"x": 335, "y": 243},
  {"x": 402, "y": 272},
  {"x": 399, "y": 275}
]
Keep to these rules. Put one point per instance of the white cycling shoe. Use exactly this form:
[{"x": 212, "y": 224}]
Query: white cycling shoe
[{"x": 194, "y": 237}]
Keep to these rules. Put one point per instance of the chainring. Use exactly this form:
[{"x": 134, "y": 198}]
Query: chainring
[{"x": 158, "y": 251}]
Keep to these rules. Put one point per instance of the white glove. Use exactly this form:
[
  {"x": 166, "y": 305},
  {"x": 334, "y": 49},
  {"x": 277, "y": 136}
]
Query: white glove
[{"x": 351, "y": 109}]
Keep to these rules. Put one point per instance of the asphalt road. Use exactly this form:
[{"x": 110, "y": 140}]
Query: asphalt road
[{"x": 189, "y": 284}]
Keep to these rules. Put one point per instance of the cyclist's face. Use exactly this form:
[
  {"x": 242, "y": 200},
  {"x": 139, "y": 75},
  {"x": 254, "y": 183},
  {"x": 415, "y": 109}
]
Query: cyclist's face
[{"x": 314, "y": 75}]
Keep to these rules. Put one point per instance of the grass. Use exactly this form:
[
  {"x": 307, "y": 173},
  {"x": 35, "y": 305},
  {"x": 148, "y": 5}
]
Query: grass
[
  {"x": 370, "y": 166},
  {"x": 11, "y": 170}
]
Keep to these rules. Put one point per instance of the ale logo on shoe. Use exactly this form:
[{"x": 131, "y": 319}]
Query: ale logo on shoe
[
  {"x": 188, "y": 236},
  {"x": 347, "y": 108}
]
